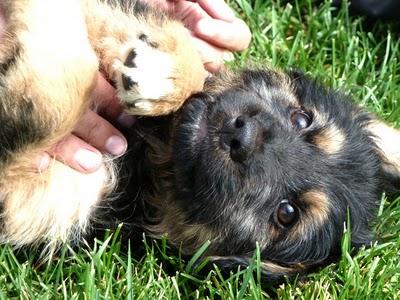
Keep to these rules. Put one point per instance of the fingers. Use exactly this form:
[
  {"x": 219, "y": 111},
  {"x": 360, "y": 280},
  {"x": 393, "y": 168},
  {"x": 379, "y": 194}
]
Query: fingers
[
  {"x": 104, "y": 99},
  {"x": 215, "y": 22},
  {"x": 93, "y": 134},
  {"x": 99, "y": 133},
  {"x": 82, "y": 149},
  {"x": 212, "y": 56},
  {"x": 73, "y": 152},
  {"x": 217, "y": 9},
  {"x": 234, "y": 36},
  {"x": 77, "y": 154}
]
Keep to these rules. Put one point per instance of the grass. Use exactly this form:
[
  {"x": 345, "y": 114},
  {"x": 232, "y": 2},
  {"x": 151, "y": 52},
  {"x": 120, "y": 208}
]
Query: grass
[{"x": 342, "y": 51}]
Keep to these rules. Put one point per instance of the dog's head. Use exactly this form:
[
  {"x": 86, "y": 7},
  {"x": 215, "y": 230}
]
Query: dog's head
[{"x": 275, "y": 159}]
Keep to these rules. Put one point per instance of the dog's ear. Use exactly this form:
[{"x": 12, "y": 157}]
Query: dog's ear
[
  {"x": 387, "y": 140},
  {"x": 272, "y": 273}
]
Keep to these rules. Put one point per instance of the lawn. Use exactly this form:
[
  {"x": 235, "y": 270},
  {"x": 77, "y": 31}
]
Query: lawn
[{"x": 342, "y": 51}]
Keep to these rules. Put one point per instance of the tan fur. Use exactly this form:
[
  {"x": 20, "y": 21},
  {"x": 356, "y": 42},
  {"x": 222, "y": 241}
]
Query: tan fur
[
  {"x": 318, "y": 205},
  {"x": 57, "y": 208},
  {"x": 188, "y": 237},
  {"x": 58, "y": 76},
  {"x": 275, "y": 268},
  {"x": 387, "y": 139},
  {"x": 53, "y": 50},
  {"x": 187, "y": 73},
  {"x": 330, "y": 140},
  {"x": 318, "y": 210}
]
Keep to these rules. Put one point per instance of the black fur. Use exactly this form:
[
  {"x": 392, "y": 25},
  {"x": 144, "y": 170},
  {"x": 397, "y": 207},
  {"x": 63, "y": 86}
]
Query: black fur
[
  {"x": 9, "y": 62},
  {"x": 19, "y": 127},
  {"x": 138, "y": 8}
]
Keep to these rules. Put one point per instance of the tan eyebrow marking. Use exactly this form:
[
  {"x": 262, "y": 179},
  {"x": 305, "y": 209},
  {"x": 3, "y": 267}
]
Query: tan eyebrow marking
[
  {"x": 330, "y": 140},
  {"x": 317, "y": 209},
  {"x": 318, "y": 205}
]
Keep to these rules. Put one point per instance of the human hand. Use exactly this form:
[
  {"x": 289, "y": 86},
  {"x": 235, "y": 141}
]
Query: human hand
[
  {"x": 81, "y": 150},
  {"x": 215, "y": 29},
  {"x": 216, "y": 32}
]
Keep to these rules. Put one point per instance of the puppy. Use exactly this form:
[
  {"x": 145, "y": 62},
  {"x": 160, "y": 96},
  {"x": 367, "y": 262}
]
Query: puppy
[
  {"x": 265, "y": 157},
  {"x": 259, "y": 156}
]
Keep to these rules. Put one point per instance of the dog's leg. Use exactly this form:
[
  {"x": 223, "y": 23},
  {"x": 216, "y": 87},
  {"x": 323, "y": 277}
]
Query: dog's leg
[
  {"x": 47, "y": 71},
  {"x": 149, "y": 56}
]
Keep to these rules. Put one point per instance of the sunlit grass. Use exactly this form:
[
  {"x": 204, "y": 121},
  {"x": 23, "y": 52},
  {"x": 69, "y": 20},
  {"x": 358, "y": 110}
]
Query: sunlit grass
[{"x": 326, "y": 43}]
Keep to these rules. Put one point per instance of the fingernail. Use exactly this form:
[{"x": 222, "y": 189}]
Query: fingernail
[
  {"x": 42, "y": 162},
  {"x": 116, "y": 145},
  {"x": 88, "y": 160},
  {"x": 126, "y": 120}
]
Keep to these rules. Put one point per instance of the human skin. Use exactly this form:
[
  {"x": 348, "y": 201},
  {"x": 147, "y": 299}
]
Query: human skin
[{"x": 216, "y": 32}]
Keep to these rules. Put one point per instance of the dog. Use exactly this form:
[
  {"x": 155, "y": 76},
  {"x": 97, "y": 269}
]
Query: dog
[{"x": 256, "y": 156}]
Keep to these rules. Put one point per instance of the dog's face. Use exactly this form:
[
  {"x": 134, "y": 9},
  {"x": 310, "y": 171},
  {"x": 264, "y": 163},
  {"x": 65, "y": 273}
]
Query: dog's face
[{"x": 274, "y": 159}]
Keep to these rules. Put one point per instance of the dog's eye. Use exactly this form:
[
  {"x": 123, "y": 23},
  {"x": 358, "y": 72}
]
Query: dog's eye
[
  {"x": 300, "y": 119},
  {"x": 286, "y": 213}
]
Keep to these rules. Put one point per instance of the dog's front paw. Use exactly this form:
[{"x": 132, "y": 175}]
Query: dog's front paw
[
  {"x": 156, "y": 73},
  {"x": 145, "y": 78}
]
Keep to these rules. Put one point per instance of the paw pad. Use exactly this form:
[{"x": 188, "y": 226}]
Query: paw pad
[
  {"x": 127, "y": 82},
  {"x": 144, "y": 75},
  {"x": 130, "y": 59}
]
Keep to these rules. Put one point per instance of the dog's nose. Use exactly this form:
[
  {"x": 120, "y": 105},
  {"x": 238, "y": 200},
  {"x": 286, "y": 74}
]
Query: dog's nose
[{"x": 238, "y": 135}]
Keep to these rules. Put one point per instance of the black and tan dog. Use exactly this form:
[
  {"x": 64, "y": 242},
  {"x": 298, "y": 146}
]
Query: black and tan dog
[{"x": 258, "y": 157}]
